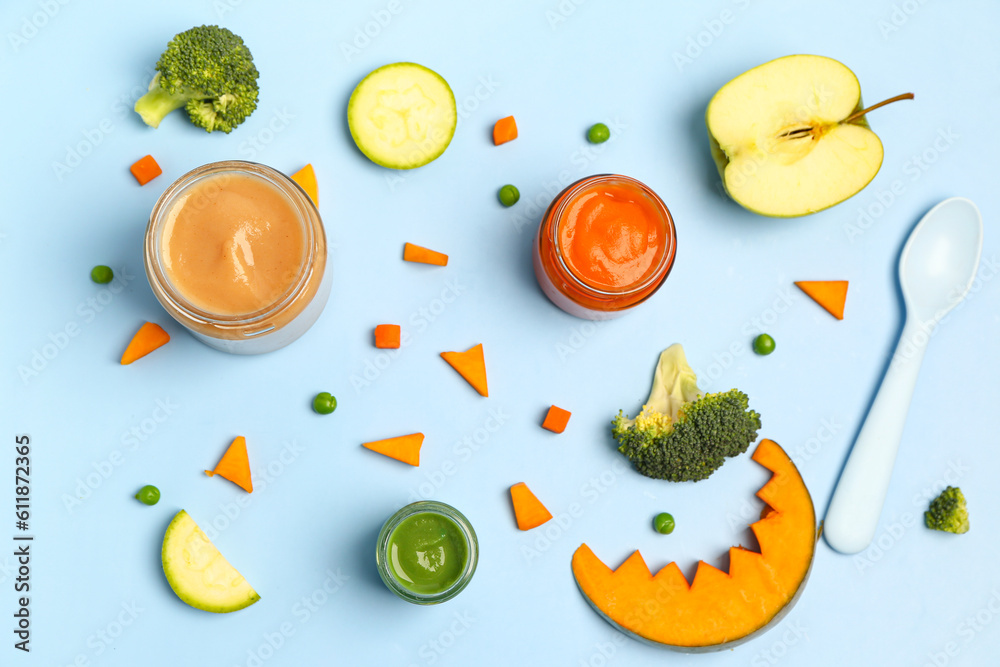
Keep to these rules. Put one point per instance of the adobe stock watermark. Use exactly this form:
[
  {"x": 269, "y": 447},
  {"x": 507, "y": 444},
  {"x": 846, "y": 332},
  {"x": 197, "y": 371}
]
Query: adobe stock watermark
[
  {"x": 900, "y": 15},
  {"x": 529, "y": 214},
  {"x": 604, "y": 652},
  {"x": 461, "y": 452},
  {"x": 913, "y": 169},
  {"x": 366, "y": 33},
  {"x": 278, "y": 122},
  {"x": 579, "y": 335},
  {"x": 131, "y": 440},
  {"x": 419, "y": 321},
  {"x": 93, "y": 136},
  {"x": 703, "y": 39},
  {"x": 559, "y": 14},
  {"x": 302, "y": 611},
  {"x": 104, "y": 638},
  {"x": 966, "y": 632},
  {"x": 86, "y": 312},
  {"x": 896, "y": 529},
  {"x": 465, "y": 108},
  {"x": 433, "y": 649},
  {"x": 544, "y": 537},
  {"x": 32, "y": 24},
  {"x": 263, "y": 477},
  {"x": 793, "y": 635}
]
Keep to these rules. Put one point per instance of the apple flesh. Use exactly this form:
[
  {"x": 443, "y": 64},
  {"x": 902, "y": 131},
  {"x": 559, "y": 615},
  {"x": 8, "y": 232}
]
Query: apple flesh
[{"x": 788, "y": 137}]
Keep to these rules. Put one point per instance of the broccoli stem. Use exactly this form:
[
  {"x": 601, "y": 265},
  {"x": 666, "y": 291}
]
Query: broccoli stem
[{"x": 156, "y": 104}]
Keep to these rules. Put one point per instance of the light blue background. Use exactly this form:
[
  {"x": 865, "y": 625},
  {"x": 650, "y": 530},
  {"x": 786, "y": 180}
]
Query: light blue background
[{"x": 558, "y": 67}]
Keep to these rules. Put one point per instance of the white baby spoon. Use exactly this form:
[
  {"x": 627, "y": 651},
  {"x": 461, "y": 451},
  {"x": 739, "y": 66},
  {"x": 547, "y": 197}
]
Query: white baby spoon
[{"x": 936, "y": 270}]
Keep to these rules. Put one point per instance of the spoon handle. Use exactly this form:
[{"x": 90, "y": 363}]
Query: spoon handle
[{"x": 854, "y": 510}]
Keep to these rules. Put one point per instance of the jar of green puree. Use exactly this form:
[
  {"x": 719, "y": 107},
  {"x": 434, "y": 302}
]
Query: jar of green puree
[{"x": 427, "y": 552}]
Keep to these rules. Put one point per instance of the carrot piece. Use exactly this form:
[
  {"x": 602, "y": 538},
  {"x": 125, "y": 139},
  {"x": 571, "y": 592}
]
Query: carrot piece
[
  {"x": 528, "y": 510},
  {"x": 306, "y": 178},
  {"x": 421, "y": 255},
  {"x": 556, "y": 419},
  {"x": 145, "y": 169},
  {"x": 504, "y": 130},
  {"x": 831, "y": 294},
  {"x": 149, "y": 337},
  {"x": 405, "y": 448},
  {"x": 387, "y": 336},
  {"x": 471, "y": 365},
  {"x": 235, "y": 465}
]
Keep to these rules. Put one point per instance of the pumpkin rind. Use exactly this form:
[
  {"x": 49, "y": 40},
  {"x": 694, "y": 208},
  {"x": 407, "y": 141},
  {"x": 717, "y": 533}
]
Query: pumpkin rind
[{"x": 718, "y": 610}]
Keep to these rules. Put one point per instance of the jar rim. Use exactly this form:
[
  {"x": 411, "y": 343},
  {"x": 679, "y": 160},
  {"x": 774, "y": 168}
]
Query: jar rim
[
  {"x": 569, "y": 195},
  {"x": 426, "y": 507},
  {"x": 165, "y": 290}
]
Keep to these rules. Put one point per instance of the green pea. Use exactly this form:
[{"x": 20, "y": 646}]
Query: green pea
[
  {"x": 101, "y": 274},
  {"x": 324, "y": 403},
  {"x": 763, "y": 345},
  {"x": 508, "y": 195},
  {"x": 148, "y": 495},
  {"x": 598, "y": 133},
  {"x": 664, "y": 523}
]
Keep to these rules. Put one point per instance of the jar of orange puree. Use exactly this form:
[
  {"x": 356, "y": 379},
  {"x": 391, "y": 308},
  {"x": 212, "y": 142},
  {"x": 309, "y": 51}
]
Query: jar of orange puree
[
  {"x": 236, "y": 252},
  {"x": 605, "y": 245}
]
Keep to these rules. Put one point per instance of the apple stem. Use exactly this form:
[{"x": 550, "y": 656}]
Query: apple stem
[{"x": 855, "y": 116}]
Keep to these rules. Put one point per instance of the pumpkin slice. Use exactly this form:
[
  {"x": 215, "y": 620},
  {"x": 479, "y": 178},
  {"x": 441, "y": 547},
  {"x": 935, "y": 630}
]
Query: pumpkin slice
[
  {"x": 718, "y": 610},
  {"x": 235, "y": 465},
  {"x": 405, "y": 448},
  {"x": 471, "y": 365},
  {"x": 528, "y": 509},
  {"x": 306, "y": 178},
  {"x": 831, "y": 294}
]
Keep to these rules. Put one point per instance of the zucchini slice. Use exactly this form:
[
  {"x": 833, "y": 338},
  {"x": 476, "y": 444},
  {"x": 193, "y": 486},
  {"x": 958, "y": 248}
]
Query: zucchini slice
[{"x": 402, "y": 115}]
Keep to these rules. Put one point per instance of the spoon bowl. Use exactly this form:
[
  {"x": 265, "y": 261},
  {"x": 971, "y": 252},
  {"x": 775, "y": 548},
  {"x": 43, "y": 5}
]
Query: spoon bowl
[
  {"x": 939, "y": 261},
  {"x": 936, "y": 270}
]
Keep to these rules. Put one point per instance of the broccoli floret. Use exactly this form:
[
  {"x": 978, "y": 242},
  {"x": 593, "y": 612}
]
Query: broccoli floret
[
  {"x": 948, "y": 512},
  {"x": 681, "y": 434},
  {"x": 210, "y": 72}
]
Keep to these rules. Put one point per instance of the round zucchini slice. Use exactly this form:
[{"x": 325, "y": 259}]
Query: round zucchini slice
[{"x": 402, "y": 115}]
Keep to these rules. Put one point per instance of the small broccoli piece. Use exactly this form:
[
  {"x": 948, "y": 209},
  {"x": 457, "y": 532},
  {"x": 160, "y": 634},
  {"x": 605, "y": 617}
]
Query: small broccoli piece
[
  {"x": 948, "y": 512},
  {"x": 681, "y": 434},
  {"x": 208, "y": 71}
]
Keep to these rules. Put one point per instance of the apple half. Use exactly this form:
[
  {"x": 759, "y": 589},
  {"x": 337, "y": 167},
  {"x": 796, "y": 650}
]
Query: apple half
[{"x": 790, "y": 136}]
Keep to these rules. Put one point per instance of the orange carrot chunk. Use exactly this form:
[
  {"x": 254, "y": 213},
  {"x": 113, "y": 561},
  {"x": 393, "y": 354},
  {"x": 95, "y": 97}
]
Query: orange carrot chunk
[
  {"x": 556, "y": 419},
  {"x": 528, "y": 510},
  {"x": 145, "y": 169},
  {"x": 405, "y": 448},
  {"x": 149, "y": 337},
  {"x": 306, "y": 178},
  {"x": 504, "y": 130},
  {"x": 471, "y": 365},
  {"x": 421, "y": 255},
  {"x": 235, "y": 465},
  {"x": 387, "y": 336},
  {"x": 831, "y": 294}
]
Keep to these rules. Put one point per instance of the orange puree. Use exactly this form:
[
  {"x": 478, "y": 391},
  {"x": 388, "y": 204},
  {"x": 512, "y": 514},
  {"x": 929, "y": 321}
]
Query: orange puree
[
  {"x": 232, "y": 244},
  {"x": 611, "y": 236}
]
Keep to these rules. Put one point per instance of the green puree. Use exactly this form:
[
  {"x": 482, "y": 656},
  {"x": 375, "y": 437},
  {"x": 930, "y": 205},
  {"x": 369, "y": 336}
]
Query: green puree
[{"x": 427, "y": 553}]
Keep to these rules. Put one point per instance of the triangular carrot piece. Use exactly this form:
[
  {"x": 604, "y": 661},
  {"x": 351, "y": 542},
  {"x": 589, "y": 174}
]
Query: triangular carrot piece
[
  {"x": 422, "y": 255},
  {"x": 405, "y": 448},
  {"x": 528, "y": 510},
  {"x": 149, "y": 337},
  {"x": 471, "y": 365},
  {"x": 235, "y": 465},
  {"x": 831, "y": 294},
  {"x": 306, "y": 178}
]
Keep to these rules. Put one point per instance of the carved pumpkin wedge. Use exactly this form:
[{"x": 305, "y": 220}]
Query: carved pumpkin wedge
[{"x": 718, "y": 610}]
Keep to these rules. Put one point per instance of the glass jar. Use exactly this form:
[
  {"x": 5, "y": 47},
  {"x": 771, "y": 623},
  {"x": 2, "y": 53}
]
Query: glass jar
[
  {"x": 566, "y": 284},
  {"x": 387, "y": 560},
  {"x": 266, "y": 328}
]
